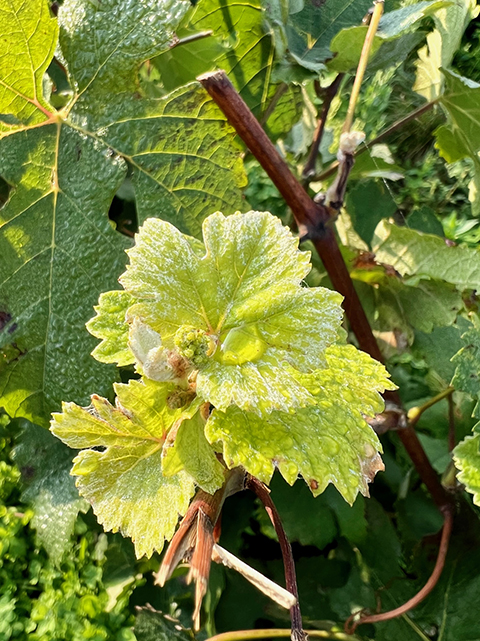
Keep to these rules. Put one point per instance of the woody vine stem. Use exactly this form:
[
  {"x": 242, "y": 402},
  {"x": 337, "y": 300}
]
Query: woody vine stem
[{"x": 315, "y": 222}]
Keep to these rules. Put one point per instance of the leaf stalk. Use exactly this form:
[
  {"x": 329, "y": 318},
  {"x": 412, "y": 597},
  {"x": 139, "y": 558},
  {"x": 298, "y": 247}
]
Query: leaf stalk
[
  {"x": 415, "y": 413},
  {"x": 329, "y": 94},
  {"x": 297, "y": 633},
  {"x": 362, "y": 64}
]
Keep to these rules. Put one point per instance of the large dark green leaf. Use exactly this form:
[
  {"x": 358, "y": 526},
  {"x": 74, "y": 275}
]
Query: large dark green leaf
[{"x": 244, "y": 43}]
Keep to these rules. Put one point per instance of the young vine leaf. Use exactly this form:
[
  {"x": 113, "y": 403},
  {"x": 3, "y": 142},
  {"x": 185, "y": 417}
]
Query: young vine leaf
[
  {"x": 227, "y": 324},
  {"x": 467, "y": 460},
  {"x": 109, "y": 325},
  {"x": 119, "y": 467},
  {"x": 329, "y": 442},
  {"x": 244, "y": 294}
]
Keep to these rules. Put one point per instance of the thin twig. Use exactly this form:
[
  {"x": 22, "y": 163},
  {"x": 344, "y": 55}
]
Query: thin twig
[
  {"x": 329, "y": 94},
  {"x": 297, "y": 633},
  {"x": 351, "y": 624},
  {"x": 451, "y": 424},
  {"x": 415, "y": 413},
  {"x": 398, "y": 124},
  {"x": 177, "y": 42},
  {"x": 362, "y": 64},
  {"x": 279, "y": 633},
  {"x": 280, "y": 90}
]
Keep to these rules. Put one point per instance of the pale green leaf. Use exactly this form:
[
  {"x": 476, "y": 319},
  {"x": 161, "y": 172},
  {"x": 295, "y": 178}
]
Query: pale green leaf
[
  {"x": 258, "y": 387},
  {"x": 58, "y": 250},
  {"x": 329, "y": 442},
  {"x": 245, "y": 293},
  {"x": 192, "y": 452},
  {"x": 460, "y": 138},
  {"x": 123, "y": 479},
  {"x": 411, "y": 252},
  {"x": 442, "y": 43},
  {"x": 467, "y": 460},
  {"x": 401, "y": 306},
  {"x": 29, "y": 36},
  {"x": 49, "y": 489},
  {"x": 110, "y": 325}
]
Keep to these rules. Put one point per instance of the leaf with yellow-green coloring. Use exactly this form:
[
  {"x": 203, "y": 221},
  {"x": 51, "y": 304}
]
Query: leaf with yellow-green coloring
[
  {"x": 426, "y": 256},
  {"x": 28, "y": 42},
  {"x": 192, "y": 452},
  {"x": 467, "y": 460},
  {"x": 442, "y": 43},
  {"x": 245, "y": 294},
  {"x": 110, "y": 325},
  {"x": 258, "y": 387},
  {"x": 460, "y": 137},
  {"x": 123, "y": 480},
  {"x": 329, "y": 442}
]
